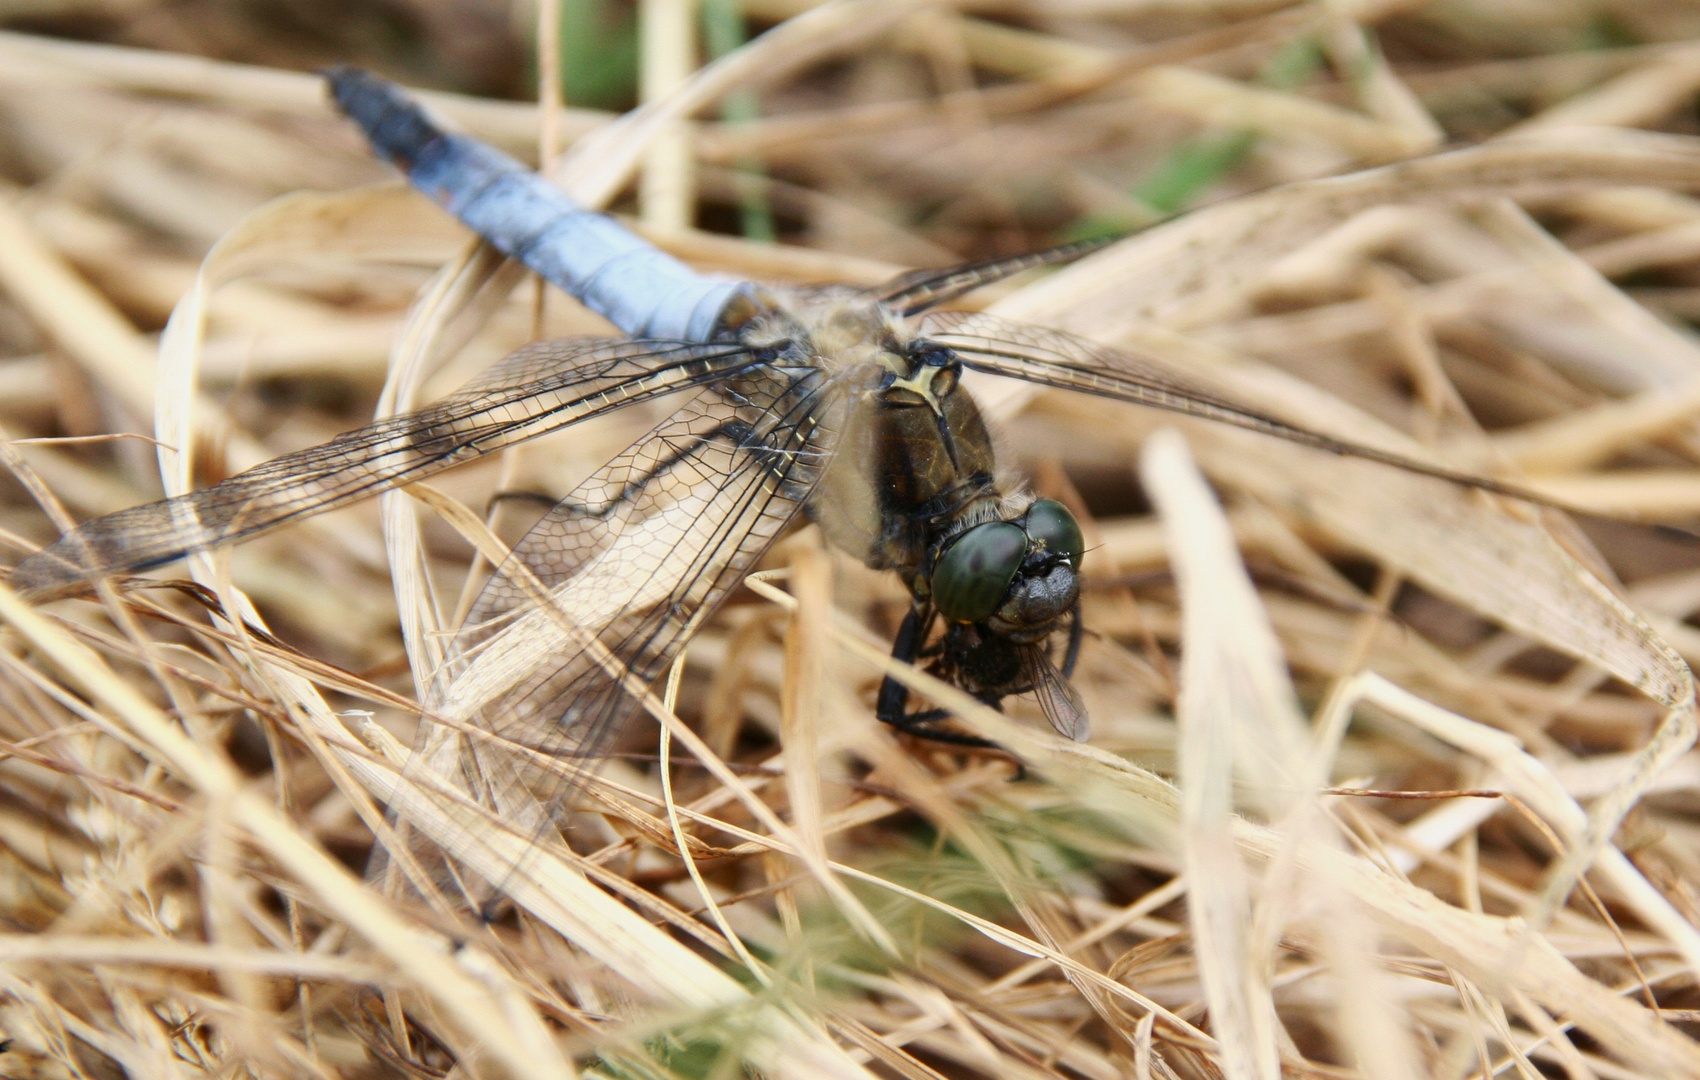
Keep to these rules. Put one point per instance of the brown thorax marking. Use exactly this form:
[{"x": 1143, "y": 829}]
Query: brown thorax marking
[
  {"x": 849, "y": 332},
  {"x": 842, "y": 327}
]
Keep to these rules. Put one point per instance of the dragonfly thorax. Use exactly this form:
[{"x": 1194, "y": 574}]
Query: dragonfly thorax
[
  {"x": 839, "y": 327},
  {"x": 913, "y": 487},
  {"x": 913, "y": 460}
]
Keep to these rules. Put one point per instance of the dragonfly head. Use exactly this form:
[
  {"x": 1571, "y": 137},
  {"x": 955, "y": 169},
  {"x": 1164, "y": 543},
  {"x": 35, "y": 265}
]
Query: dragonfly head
[{"x": 1018, "y": 576}]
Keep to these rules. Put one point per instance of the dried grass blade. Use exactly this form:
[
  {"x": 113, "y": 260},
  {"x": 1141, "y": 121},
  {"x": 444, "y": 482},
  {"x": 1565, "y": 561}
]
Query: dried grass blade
[
  {"x": 1224, "y": 102},
  {"x": 1233, "y": 680},
  {"x": 71, "y": 312},
  {"x": 801, "y": 712},
  {"x": 599, "y": 166},
  {"x": 1184, "y": 272},
  {"x": 667, "y": 190},
  {"x": 1496, "y": 953},
  {"x": 1665, "y": 355},
  {"x": 1586, "y": 436},
  {"x": 1642, "y": 95},
  {"x": 1531, "y": 780},
  {"x": 427, "y": 966},
  {"x": 34, "y": 61},
  {"x": 454, "y": 304},
  {"x": 1036, "y": 909}
]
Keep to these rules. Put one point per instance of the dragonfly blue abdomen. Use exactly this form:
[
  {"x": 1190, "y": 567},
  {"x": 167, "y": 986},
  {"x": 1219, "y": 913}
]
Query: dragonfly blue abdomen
[{"x": 611, "y": 270}]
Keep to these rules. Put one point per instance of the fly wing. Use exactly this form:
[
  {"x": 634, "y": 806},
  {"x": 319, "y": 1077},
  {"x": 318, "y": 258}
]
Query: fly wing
[
  {"x": 596, "y": 601},
  {"x": 537, "y": 389},
  {"x": 1057, "y": 698},
  {"x": 1054, "y": 358}
]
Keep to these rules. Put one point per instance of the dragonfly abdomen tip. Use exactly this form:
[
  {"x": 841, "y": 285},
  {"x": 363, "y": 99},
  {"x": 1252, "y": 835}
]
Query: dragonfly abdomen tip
[{"x": 393, "y": 123}]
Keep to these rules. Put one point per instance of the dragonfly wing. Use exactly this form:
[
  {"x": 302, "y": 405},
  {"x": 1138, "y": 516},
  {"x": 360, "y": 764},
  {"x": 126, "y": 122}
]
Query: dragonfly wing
[
  {"x": 918, "y": 290},
  {"x": 599, "y": 597},
  {"x": 1054, "y": 358},
  {"x": 540, "y": 388}
]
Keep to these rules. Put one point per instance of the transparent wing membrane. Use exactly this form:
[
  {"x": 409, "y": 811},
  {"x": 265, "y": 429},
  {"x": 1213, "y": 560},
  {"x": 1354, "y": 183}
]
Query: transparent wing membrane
[
  {"x": 597, "y": 599},
  {"x": 1057, "y": 359},
  {"x": 538, "y": 389},
  {"x": 915, "y": 292}
]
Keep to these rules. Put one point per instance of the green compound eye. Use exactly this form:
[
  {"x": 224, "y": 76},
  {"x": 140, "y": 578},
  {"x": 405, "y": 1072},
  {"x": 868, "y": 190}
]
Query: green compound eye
[
  {"x": 1050, "y": 521},
  {"x": 972, "y": 577}
]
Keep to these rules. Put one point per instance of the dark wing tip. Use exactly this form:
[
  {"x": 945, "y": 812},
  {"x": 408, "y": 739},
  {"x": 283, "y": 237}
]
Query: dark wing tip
[
  {"x": 112, "y": 546},
  {"x": 394, "y": 123}
]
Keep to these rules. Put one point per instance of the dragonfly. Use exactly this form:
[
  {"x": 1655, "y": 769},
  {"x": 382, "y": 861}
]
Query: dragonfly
[{"x": 839, "y": 405}]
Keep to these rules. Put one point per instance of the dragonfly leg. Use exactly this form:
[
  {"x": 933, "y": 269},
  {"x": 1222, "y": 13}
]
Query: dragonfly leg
[
  {"x": 920, "y": 726},
  {"x": 1076, "y": 631},
  {"x": 894, "y": 696}
]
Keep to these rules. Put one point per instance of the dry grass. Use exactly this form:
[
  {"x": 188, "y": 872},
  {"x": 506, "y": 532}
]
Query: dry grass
[{"x": 1388, "y": 779}]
